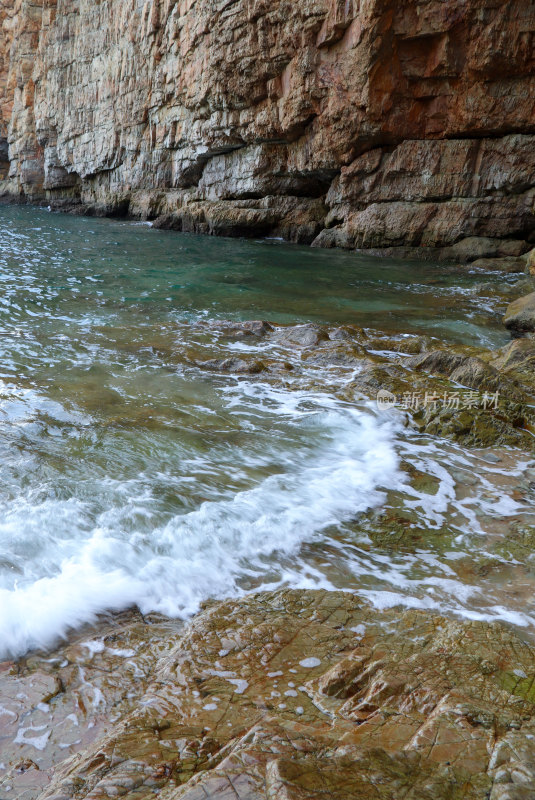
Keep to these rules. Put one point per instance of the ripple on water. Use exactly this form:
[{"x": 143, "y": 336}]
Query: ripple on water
[{"x": 129, "y": 476}]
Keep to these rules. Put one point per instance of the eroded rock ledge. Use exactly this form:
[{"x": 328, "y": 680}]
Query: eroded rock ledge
[
  {"x": 298, "y": 695},
  {"x": 368, "y": 124}
]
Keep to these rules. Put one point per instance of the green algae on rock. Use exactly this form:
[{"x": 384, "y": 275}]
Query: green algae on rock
[{"x": 506, "y": 422}]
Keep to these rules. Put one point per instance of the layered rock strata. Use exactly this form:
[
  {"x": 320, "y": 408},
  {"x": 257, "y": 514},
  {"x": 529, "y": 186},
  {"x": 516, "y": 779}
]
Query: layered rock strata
[{"x": 368, "y": 124}]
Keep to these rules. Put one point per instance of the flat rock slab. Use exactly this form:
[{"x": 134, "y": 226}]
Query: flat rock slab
[{"x": 302, "y": 695}]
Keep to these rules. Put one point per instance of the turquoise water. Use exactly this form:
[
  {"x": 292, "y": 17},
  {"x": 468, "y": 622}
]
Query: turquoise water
[
  {"x": 65, "y": 266},
  {"x": 130, "y": 475}
]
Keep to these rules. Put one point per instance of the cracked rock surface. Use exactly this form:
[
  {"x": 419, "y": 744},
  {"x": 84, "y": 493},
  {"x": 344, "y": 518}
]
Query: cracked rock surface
[{"x": 293, "y": 694}]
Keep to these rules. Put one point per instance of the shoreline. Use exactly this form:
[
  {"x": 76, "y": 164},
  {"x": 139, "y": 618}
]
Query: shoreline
[{"x": 465, "y": 251}]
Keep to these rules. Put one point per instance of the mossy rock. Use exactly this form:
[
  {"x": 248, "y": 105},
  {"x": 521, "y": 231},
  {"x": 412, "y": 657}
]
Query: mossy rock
[
  {"x": 399, "y": 531},
  {"x": 519, "y": 684},
  {"x": 421, "y": 481},
  {"x": 519, "y": 544},
  {"x": 511, "y": 423},
  {"x": 506, "y": 426}
]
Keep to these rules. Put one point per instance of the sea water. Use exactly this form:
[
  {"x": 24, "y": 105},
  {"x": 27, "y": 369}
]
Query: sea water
[{"x": 132, "y": 476}]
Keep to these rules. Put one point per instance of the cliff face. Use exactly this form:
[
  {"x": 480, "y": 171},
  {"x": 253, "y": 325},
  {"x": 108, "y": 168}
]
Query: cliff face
[{"x": 360, "y": 123}]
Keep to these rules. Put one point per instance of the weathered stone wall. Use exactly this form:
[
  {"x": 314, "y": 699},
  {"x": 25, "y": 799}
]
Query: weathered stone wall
[{"x": 361, "y": 123}]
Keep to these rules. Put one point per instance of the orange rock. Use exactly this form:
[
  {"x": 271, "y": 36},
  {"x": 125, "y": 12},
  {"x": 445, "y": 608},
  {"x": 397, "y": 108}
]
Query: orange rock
[{"x": 415, "y": 120}]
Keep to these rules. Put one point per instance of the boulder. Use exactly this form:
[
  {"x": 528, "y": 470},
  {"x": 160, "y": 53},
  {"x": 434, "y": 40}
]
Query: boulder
[
  {"x": 530, "y": 262},
  {"x": 518, "y": 356},
  {"x": 238, "y": 330},
  {"x": 465, "y": 370},
  {"x": 241, "y": 366},
  {"x": 517, "y": 361},
  {"x": 473, "y": 248},
  {"x": 507, "y": 264},
  {"x": 303, "y": 335},
  {"x": 520, "y": 316}
]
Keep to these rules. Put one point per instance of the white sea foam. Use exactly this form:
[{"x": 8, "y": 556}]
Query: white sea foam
[
  {"x": 71, "y": 572},
  {"x": 71, "y": 564},
  {"x": 447, "y": 605},
  {"x": 310, "y": 663},
  {"x": 39, "y": 741}
]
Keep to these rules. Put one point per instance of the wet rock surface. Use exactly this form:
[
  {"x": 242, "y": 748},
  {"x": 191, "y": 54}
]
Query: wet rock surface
[
  {"x": 297, "y": 694},
  {"x": 520, "y": 316},
  {"x": 240, "y": 366},
  {"x": 57, "y": 704},
  {"x": 518, "y": 359},
  {"x": 477, "y": 397}
]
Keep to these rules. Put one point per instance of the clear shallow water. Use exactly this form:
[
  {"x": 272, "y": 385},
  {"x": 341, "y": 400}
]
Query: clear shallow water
[{"x": 130, "y": 476}]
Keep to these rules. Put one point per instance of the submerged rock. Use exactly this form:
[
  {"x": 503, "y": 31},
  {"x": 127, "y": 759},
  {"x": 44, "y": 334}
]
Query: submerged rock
[
  {"x": 477, "y": 397},
  {"x": 398, "y": 531},
  {"x": 241, "y": 366},
  {"x": 508, "y": 264},
  {"x": 347, "y": 333},
  {"x": 312, "y": 694},
  {"x": 505, "y": 290},
  {"x": 519, "y": 545},
  {"x": 256, "y": 327}
]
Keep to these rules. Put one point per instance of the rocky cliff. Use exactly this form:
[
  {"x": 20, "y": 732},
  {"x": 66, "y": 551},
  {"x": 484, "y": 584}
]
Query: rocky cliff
[{"x": 355, "y": 123}]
